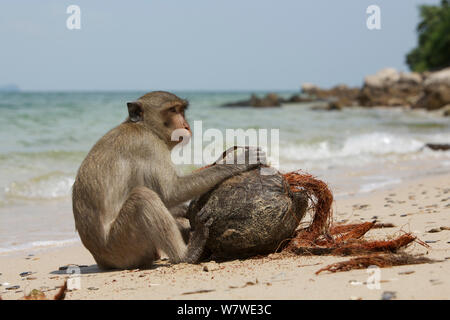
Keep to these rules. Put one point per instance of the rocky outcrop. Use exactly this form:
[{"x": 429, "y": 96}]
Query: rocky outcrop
[
  {"x": 297, "y": 98},
  {"x": 446, "y": 110},
  {"x": 436, "y": 93},
  {"x": 309, "y": 88},
  {"x": 335, "y": 98},
  {"x": 438, "y": 146},
  {"x": 9, "y": 88},
  {"x": 328, "y": 106},
  {"x": 270, "y": 100},
  {"x": 388, "y": 87}
]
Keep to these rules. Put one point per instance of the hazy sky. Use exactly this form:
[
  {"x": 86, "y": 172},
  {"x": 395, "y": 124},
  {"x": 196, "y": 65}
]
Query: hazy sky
[{"x": 201, "y": 44}]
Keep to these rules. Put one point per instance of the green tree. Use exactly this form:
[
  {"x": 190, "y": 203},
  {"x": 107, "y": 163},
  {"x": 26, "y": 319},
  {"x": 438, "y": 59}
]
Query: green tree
[{"x": 433, "y": 51}]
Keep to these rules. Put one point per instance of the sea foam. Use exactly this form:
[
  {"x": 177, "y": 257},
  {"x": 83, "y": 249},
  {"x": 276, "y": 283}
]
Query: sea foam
[
  {"x": 38, "y": 245},
  {"x": 50, "y": 186}
]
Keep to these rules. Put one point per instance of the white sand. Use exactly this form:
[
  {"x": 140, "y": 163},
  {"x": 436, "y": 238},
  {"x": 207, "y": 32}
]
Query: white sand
[{"x": 425, "y": 202}]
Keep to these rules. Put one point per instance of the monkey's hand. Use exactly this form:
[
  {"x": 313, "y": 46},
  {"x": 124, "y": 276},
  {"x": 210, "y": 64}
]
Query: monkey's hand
[
  {"x": 243, "y": 158},
  {"x": 204, "y": 218},
  {"x": 197, "y": 243}
]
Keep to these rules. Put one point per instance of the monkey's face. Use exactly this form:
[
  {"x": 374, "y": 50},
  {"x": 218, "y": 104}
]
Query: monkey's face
[
  {"x": 164, "y": 114},
  {"x": 174, "y": 121}
]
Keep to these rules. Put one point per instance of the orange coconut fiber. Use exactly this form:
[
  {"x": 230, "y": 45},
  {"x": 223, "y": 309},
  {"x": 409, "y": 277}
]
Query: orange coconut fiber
[
  {"x": 379, "y": 260},
  {"x": 321, "y": 237}
]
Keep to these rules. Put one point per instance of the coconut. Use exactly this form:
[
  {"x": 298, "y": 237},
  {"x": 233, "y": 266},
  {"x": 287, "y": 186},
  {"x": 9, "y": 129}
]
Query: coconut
[{"x": 252, "y": 214}]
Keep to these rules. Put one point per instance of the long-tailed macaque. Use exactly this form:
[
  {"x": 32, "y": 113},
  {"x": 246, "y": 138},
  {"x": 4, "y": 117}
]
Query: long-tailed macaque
[{"x": 127, "y": 184}]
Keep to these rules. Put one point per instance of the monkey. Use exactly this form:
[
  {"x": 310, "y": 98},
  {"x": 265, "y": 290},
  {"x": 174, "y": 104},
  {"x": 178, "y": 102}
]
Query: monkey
[
  {"x": 127, "y": 185},
  {"x": 180, "y": 214}
]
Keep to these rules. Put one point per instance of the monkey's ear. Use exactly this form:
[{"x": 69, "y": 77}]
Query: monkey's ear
[{"x": 135, "y": 111}]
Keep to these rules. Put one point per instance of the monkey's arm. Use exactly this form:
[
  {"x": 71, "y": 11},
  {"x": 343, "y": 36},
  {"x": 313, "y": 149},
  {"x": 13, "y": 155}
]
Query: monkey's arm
[
  {"x": 174, "y": 189},
  {"x": 184, "y": 188}
]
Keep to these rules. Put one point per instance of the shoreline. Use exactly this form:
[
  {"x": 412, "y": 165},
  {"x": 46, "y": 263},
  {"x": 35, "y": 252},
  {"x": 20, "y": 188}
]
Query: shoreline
[
  {"x": 351, "y": 188},
  {"x": 352, "y": 150},
  {"x": 417, "y": 206}
]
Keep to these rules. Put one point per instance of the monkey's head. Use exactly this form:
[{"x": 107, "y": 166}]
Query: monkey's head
[{"x": 163, "y": 113}]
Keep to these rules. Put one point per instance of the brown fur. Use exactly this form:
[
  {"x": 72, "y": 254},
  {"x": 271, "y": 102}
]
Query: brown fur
[{"x": 127, "y": 184}]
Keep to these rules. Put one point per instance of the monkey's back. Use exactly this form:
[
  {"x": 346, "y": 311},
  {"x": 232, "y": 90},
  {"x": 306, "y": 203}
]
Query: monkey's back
[
  {"x": 102, "y": 185},
  {"x": 253, "y": 214}
]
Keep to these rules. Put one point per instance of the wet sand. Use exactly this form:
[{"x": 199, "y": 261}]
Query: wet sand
[{"x": 418, "y": 206}]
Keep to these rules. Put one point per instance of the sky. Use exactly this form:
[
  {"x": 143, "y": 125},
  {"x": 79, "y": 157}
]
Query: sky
[{"x": 201, "y": 44}]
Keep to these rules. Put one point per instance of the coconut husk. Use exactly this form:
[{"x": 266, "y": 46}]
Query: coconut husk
[
  {"x": 252, "y": 214},
  {"x": 380, "y": 260},
  {"x": 258, "y": 214}
]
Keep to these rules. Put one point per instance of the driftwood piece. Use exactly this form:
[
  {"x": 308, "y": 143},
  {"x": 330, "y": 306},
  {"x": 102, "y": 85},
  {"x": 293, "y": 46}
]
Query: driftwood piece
[{"x": 253, "y": 214}]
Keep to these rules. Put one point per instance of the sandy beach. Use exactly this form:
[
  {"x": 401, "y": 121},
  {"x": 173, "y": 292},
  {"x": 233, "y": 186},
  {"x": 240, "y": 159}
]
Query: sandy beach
[
  {"x": 420, "y": 206},
  {"x": 114, "y": 117}
]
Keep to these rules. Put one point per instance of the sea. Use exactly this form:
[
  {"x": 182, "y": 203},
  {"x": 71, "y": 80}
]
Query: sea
[{"x": 44, "y": 136}]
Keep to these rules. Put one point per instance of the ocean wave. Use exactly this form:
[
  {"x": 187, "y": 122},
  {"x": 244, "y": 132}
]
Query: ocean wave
[
  {"x": 356, "y": 150},
  {"x": 50, "y": 155},
  {"x": 53, "y": 185},
  {"x": 39, "y": 244},
  {"x": 371, "y": 144},
  {"x": 369, "y": 187}
]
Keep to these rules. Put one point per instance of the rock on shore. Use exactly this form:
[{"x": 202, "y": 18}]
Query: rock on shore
[
  {"x": 270, "y": 100},
  {"x": 436, "y": 92},
  {"x": 336, "y": 98},
  {"x": 387, "y": 88}
]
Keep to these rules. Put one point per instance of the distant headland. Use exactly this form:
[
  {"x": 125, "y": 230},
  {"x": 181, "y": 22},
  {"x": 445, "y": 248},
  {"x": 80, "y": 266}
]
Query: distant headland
[{"x": 11, "y": 87}]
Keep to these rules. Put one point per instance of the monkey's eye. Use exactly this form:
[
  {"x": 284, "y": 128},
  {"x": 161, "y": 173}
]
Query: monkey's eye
[{"x": 173, "y": 109}]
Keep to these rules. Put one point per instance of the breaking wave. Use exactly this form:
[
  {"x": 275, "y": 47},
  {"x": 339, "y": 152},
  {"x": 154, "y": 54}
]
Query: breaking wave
[
  {"x": 54, "y": 185},
  {"x": 371, "y": 144}
]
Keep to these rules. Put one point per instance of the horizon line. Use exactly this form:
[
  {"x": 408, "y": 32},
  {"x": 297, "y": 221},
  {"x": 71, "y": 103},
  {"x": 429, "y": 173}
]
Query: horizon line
[{"x": 147, "y": 90}]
